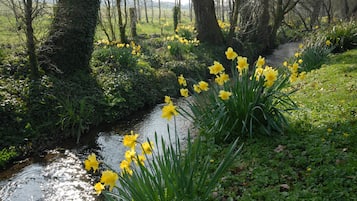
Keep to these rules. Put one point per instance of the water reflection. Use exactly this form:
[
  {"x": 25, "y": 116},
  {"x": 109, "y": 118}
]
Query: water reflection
[{"x": 61, "y": 179}]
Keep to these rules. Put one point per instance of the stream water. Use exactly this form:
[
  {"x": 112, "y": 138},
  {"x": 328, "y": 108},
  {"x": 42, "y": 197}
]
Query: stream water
[{"x": 61, "y": 176}]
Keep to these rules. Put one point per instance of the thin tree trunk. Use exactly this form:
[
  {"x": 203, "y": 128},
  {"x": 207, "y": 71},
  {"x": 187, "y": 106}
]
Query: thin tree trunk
[
  {"x": 152, "y": 11},
  {"x": 146, "y": 12},
  {"x": 133, "y": 22},
  {"x": 234, "y": 22},
  {"x": 159, "y": 10},
  {"x": 122, "y": 25},
  {"x": 139, "y": 11},
  {"x": 30, "y": 42},
  {"x": 109, "y": 18},
  {"x": 222, "y": 9},
  {"x": 190, "y": 9},
  {"x": 102, "y": 26}
]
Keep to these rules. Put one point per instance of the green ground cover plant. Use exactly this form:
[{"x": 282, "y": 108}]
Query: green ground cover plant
[{"x": 315, "y": 159}]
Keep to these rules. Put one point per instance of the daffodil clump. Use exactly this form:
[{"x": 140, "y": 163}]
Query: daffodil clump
[
  {"x": 187, "y": 32},
  {"x": 310, "y": 55},
  {"x": 244, "y": 101},
  {"x": 177, "y": 45},
  {"x": 132, "y": 46},
  {"x": 109, "y": 178}
]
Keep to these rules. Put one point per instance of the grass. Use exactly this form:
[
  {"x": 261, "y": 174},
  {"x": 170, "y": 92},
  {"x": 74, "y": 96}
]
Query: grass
[{"x": 316, "y": 159}]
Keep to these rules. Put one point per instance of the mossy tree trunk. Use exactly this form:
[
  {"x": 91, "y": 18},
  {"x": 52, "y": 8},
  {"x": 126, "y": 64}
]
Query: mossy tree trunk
[
  {"x": 70, "y": 42},
  {"x": 206, "y": 22}
]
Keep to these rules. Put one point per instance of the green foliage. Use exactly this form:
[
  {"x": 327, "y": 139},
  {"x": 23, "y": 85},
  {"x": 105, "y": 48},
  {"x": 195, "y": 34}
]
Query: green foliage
[
  {"x": 7, "y": 154},
  {"x": 186, "y": 31},
  {"x": 74, "y": 116},
  {"x": 114, "y": 57},
  {"x": 176, "y": 174},
  {"x": 177, "y": 49},
  {"x": 343, "y": 36}
]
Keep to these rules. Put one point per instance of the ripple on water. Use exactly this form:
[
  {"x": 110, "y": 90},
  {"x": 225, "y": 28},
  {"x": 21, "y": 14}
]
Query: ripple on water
[{"x": 62, "y": 179}]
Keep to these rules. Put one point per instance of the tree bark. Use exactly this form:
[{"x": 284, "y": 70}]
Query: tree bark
[
  {"x": 146, "y": 12},
  {"x": 133, "y": 22},
  {"x": 70, "y": 42},
  {"x": 234, "y": 21},
  {"x": 122, "y": 25},
  {"x": 30, "y": 42},
  {"x": 206, "y": 22}
]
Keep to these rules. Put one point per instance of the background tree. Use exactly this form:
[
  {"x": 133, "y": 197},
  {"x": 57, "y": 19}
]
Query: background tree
[
  {"x": 107, "y": 22},
  {"x": 146, "y": 12},
  {"x": 25, "y": 12},
  {"x": 122, "y": 24},
  {"x": 206, "y": 22},
  {"x": 69, "y": 45},
  {"x": 233, "y": 22},
  {"x": 280, "y": 9}
]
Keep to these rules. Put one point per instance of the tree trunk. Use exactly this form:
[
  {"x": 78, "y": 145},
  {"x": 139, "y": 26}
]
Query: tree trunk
[
  {"x": 138, "y": 12},
  {"x": 70, "y": 42},
  {"x": 234, "y": 21},
  {"x": 206, "y": 22},
  {"x": 263, "y": 28},
  {"x": 122, "y": 25},
  {"x": 133, "y": 22},
  {"x": 109, "y": 18},
  {"x": 316, "y": 7},
  {"x": 146, "y": 12},
  {"x": 159, "y": 10},
  {"x": 30, "y": 42},
  {"x": 190, "y": 9}
]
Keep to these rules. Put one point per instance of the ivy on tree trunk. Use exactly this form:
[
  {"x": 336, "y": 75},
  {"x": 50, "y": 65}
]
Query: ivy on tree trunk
[{"x": 69, "y": 45}]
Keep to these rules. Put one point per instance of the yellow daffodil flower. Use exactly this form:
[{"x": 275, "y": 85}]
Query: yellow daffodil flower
[
  {"x": 203, "y": 85},
  {"x": 260, "y": 62},
  {"x": 184, "y": 92},
  {"x": 130, "y": 140},
  {"x": 221, "y": 79},
  {"x": 242, "y": 64},
  {"x": 231, "y": 54},
  {"x": 130, "y": 155},
  {"x": 98, "y": 187},
  {"x": 216, "y": 68},
  {"x": 109, "y": 178},
  {"x": 91, "y": 163},
  {"x": 270, "y": 75},
  {"x": 182, "y": 81},
  {"x": 168, "y": 111},
  {"x": 147, "y": 147},
  {"x": 224, "y": 95}
]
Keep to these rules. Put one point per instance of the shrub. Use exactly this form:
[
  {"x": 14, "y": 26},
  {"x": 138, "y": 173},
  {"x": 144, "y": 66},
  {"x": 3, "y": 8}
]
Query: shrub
[
  {"x": 6, "y": 154},
  {"x": 242, "y": 105}
]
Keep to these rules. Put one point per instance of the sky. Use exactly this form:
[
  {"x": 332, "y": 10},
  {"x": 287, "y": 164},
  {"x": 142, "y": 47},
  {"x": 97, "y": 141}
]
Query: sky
[{"x": 173, "y": 1}]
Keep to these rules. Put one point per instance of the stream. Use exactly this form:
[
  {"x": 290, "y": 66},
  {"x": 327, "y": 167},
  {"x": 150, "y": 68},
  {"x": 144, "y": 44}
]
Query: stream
[{"x": 61, "y": 176}]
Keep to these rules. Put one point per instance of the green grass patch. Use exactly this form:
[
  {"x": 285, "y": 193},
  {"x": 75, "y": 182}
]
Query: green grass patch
[{"x": 316, "y": 159}]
